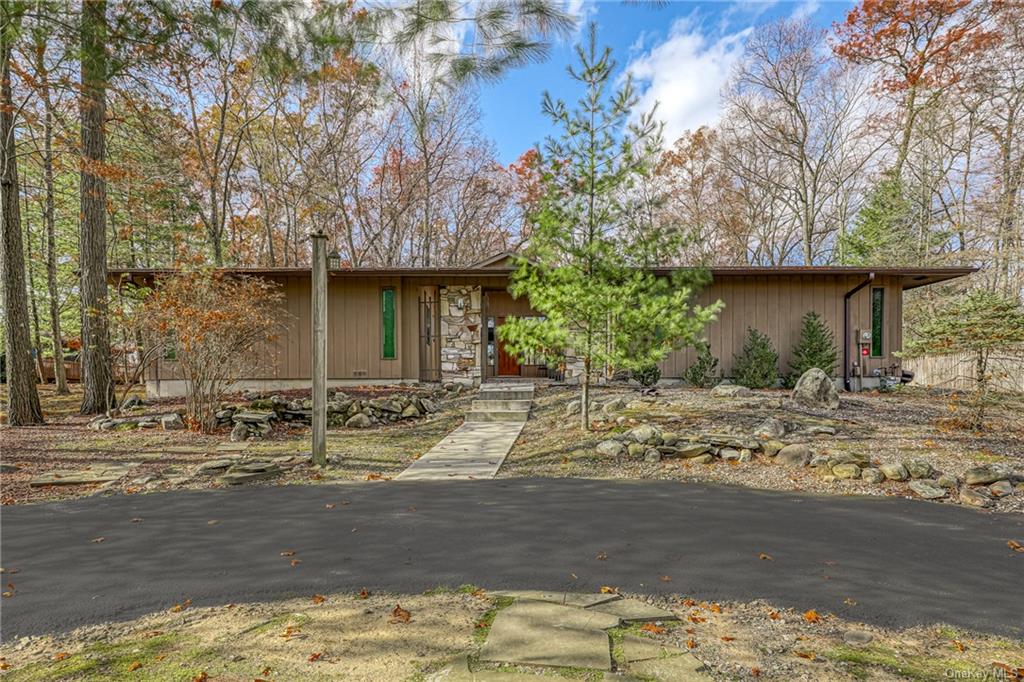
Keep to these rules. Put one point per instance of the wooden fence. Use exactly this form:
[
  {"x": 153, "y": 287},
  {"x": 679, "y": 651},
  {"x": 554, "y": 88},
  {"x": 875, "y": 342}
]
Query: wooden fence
[{"x": 958, "y": 371}]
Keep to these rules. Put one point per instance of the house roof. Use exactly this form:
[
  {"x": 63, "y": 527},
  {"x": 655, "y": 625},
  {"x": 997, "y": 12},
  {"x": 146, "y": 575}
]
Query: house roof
[{"x": 499, "y": 265}]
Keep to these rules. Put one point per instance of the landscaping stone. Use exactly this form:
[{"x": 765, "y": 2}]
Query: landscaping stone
[
  {"x": 636, "y": 449},
  {"x": 982, "y": 475},
  {"x": 919, "y": 468},
  {"x": 770, "y": 428},
  {"x": 611, "y": 448},
  {"x": 820, "y": 430},
  {"x": 703, "y": 459},
  {"x": 857, "y": 637},
  {"x": 239, "y": 433},
  {"x": 927, "y": 489},
  {"x": 745, "y": 455},
  {"x": 172, "y": 422},
  {"x": 772, "y": 447},
  {"x": 796, "y": 455},
  {"x": 731, "y": 391},
  {"x": 8, "y": 468},
  {"x": 358, "y": 421},
  {"x": 1001, "y": 488},
  {"x": 729, "y": 454},
  {"x": 246, "y": 472},
  {"x": 410, "y": 412},
  {"x": 99, "y": 473},
  {"x": 251, "y": 417},
  {"x": 669, "y": 438},
  {"x": 895, "y": 471},
  {"x": 633, "y": 611},
  {"x": 652, "y": 456},
  {"x": 872, "y": 475},
  {"x": 215, "y": 466},
  {"x": 645, "y": 433},
  {"x": 816, "y": 389},
  {"x": 681, "y": 668},
  {"x": 846, "y": 470},
  {"x": 948, "y": 481},
  {"x": 849, "y": 458},
  {"x": 976, "y": 497}
]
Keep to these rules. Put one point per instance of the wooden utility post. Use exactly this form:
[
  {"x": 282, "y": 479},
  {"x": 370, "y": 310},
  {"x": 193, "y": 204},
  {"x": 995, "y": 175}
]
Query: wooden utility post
[{"x": 319, "y": 372}]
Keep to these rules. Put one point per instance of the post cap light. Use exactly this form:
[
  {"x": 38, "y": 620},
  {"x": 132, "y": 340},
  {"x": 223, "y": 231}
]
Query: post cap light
[{"x": 334, "y": 261}]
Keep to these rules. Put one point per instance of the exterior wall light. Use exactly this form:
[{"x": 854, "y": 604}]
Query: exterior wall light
[{"x": 334, "y": 261}]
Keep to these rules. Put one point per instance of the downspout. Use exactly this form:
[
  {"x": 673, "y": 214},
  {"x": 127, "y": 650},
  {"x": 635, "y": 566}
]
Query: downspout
[{"x": 846, "y": 327}]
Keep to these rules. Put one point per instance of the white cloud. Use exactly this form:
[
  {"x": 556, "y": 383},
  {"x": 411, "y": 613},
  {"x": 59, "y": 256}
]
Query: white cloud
[
  {"x": 685, "y": 74},
  {"x": 582, "y": 10},
  {"x": 806, "y": 9}
]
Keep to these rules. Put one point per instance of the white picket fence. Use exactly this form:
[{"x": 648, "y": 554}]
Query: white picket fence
[{"x": 958, "y": 371}]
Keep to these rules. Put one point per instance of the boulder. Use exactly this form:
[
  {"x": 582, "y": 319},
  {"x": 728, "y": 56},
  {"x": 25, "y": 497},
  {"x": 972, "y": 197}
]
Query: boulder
[
  {"x": 729, "y": 454},
  {"x": 919, "y": 468},
  {"x": 636, "y": 449},
  {"x": 816, "y": 389},
  {"x": 895, "y": 471},
  {"x": 731, "y": 391},
  {"x": 428, "y": 405},
  {"x": 770, "y": 428},
  {"x": 857, "y": 458},
  {"x": 613, "y": 405},
  {"x": 928, "y": 489},
  {"x": 652, "y": 455},
  {"x": 982, "y": 475},
  {"x": 872, "y": 475},
  {"x": 948, "y": 481},
  {"x": 1001, "y": 488},
  {"x": 694, "y": 450},
  {"x": 239, "y": 433},
  {"x": 611, "y": 448},
  {"x": 358, "y": 421},
  {"x": 771, "y": 448},
  {"x": 703, "y": 459},
  {"x": 410, "y": 412},
  {"x": 846, "y": 470},
  {"x": 252, "y": 417},
  {"x": 645, "y": 433},
  {"x": 976, "y": 497},
  {"x": 745, "y": 455},
  {"x": 669, "y": 438},
  {"x": 171, "y": 422},
  {"x": 795, "y": 455}
]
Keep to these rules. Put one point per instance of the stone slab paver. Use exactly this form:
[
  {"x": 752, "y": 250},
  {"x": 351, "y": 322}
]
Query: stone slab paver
[
  {"x": 641, "y": 649},
  {"x": 474, "y": 450},
  {"x": 546, "y": 614},
  {"x": 515, "y": 640},
  {"x": 458, "y": 671},
  {"x": 634, "y": 611},
  {"x": 682, "y": 668},
  {"x": 580, "y": 599}
]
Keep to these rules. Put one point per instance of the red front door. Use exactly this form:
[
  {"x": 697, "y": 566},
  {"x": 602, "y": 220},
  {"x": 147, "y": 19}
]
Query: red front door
[{"x": 508, "y": 364}]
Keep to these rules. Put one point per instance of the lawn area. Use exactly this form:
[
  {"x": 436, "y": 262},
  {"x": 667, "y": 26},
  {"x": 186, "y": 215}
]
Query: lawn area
[{"x": 161, "y": 460}]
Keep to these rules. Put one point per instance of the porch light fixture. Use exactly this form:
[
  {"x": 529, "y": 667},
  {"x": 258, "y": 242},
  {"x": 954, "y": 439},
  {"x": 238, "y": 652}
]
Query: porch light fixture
[{"x": 334, "y": 261}]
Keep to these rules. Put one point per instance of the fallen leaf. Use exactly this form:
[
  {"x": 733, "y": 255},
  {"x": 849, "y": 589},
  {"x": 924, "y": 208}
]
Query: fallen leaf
[
  {"x": 774, "y": 615},
  {"x": 265, "y": 672},
  {"x": 696, "y": 619},
  {"x": 400, "y": 615},
  {"x": 4, "y": 665},
  {"x": 374, "y": 476},
  {"x": 727, "y": 638},
  {"x": 715, "y": 608},
  {"x": 688, "y": 602},
  {"x": 319, "y": 599},
  {"x": 812, "y": 616},
  {"x": 314, "y": 657},
  {"x": 605, "y": 589},
  {"x": 959, "y": 645},
  {"x": 1015, "y": 546},
  {"x": 809, "y": 655},
  {"x": 345, "y": 502},
  {"x": 60, "y": 655},
  {"x": 137, "y": 519},
  {"x": 212, "y": 522},
  {"x": 152, "y": 633},
  {"x": 690, "y": 644},
  {"x": 664, "y": 578},
  {"x": 329, "y": 506},
  {"x": 850, "y": 602},
  {"x": 291, "y": 632},
  {"x": 178, "y": 608},
  {"x": 364, "y": 594},
  {"x": 99, "y": 539},
  {"x": 134, "y": 666},
  {"x": 479, "y": 593},
  {"x": 288, "y": 552},
  {"x": 159, "y": 657},
  {"x": 601, "y": 556},
  {"x": 755, "y": 672},
  {"x": 201, "y": 677},
  {"x": 411, "y": 509},
  {"x": 295, "y": 562},
  {"x": 653, "y": 629},
  {"x": 765, "y": 557}
]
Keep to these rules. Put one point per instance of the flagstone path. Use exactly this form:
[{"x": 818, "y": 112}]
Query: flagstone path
[{"x": 478, "y": 447}]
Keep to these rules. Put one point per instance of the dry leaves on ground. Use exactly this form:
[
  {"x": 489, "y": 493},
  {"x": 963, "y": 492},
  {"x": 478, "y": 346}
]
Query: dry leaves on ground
[{"x": 400, "y": 615}]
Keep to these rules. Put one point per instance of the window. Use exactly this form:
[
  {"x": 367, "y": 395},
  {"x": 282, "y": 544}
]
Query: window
[
  {"x": 387, "y": 316},
  {"x": 877, "y": 321}
]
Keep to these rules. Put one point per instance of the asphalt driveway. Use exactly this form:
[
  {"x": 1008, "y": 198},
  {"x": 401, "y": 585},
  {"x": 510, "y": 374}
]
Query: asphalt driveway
[{"x": 902, "y": 562}]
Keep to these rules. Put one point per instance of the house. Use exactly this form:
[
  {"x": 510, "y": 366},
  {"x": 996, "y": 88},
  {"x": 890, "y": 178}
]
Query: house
[{"x": 390, "y": 325}]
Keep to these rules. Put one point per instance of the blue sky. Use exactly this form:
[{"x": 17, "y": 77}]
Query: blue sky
[{"x": 679, "y": 52}]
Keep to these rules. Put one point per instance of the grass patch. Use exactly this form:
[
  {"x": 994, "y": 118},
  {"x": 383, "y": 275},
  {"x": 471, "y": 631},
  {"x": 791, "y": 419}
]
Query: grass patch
[
  {"x": 483, "y": 626},
  {"x": 104, "y": 661},
  {"x": 859, "y": 662},
  {"x": 277, "y": 623}
]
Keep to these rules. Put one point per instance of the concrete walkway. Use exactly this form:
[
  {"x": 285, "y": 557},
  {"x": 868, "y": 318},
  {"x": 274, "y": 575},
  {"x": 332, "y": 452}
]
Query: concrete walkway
[{"x": 478, "y": 447}]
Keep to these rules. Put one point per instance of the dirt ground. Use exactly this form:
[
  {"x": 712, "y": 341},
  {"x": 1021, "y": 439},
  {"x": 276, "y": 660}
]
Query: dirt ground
[
  {"x": 888, "y": 427},
  {"x": 66, "y": 443},
  {"x": 367, "y": 637}
]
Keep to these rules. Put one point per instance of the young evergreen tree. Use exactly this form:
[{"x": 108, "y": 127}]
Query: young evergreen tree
[
  {"x": 580, "y": 273},
  {"x": 815, "y": 348},
  {"x": 757, "y": 365},
  {"x": 703, "y": 373}
]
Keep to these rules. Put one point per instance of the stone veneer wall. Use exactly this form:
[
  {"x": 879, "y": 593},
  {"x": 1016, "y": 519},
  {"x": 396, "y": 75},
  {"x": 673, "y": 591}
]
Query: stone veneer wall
[{"x": 461, "y": 332}]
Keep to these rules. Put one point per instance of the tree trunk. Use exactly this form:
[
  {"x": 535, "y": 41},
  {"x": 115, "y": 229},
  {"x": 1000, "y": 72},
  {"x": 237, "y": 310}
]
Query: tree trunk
[
  {"x": 22, "y": 397},
  {"x": 60, "y": 375},
  {"x": 585, "y": 399},
  {"x": 97, "y": 381}
]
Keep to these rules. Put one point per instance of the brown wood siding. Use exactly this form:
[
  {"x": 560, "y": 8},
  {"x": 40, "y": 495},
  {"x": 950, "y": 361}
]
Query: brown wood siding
[{"x": 774, "y": 304}]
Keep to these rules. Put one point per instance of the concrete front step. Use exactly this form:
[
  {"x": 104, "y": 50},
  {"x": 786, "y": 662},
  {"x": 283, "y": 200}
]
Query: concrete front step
[
  {"x": 503, "y": 405},
  {"x": 487, "y": 393},
  {"x": 497, "y": 415}
]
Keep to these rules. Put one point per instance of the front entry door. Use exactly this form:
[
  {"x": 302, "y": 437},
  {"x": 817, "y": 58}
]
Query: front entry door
[{"x": 508, "y": 364}]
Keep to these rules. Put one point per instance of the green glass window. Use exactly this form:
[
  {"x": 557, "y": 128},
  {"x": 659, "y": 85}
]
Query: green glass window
[
  {"x": 877, "y": 321},
  {"x": 387, "y": 316}
]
